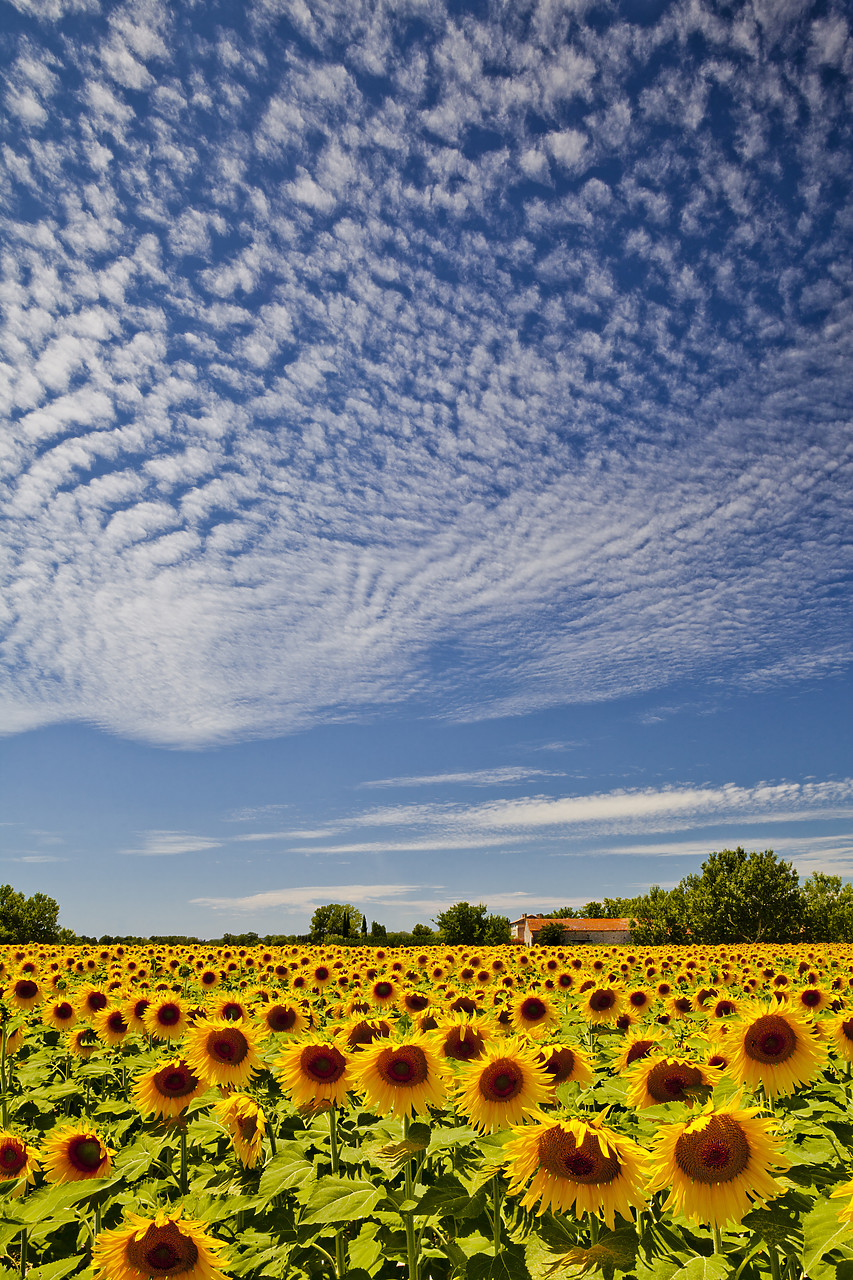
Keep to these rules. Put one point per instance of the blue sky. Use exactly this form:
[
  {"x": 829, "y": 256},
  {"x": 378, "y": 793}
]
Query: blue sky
[{"x": 426, "y": 452}]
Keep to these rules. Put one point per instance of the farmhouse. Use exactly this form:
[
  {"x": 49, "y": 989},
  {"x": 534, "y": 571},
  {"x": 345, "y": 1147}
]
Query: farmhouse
[{"x": 618, "y": 930}]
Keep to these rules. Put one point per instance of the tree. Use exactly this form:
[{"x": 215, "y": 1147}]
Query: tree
[
  {"x": 551, "y": 934},
  {"x": 378, "y": 931},
  {"x": 828, "y": 915},
  {"x": 422, "y": 931},
  {"x": 364, "y": 926},
  {"x": 340, "y": 919},
  {"x": 497, "y": 931},
  {"x": 23, "y": 919},
  {"x": 744, "y": 897},
  {"x": 660, "y": 918},
  {"x": 592, "y": 911}
]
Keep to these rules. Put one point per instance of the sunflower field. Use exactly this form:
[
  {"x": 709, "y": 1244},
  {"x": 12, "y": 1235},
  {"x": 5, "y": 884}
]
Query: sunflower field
[{"x": 206, "y": 1112}]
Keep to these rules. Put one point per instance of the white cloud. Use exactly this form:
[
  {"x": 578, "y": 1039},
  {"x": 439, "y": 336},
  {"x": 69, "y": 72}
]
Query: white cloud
[
  {"x": 165, "y": 844},
  {"x": 305, "y": 899},
  {"x": 473, "y": 777}
]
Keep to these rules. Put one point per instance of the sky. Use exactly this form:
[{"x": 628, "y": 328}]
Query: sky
[{"x": 425, "y": 452}]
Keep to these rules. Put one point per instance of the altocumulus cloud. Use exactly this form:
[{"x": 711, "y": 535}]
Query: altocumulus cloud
[{"x": 499, "y": 362}]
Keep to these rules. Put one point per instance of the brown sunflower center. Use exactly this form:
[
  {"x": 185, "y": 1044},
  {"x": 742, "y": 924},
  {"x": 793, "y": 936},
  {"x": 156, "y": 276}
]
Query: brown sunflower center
[
  {"x": 415, "y": 1003},
  {"x": 810, "y": 998},
  {"x": 162, "y": 1250},
  {"x": 383, "y": 990},
  {"x": 639, "y": 1049},
  {"x": 232, "y": 1011},
  {"x": 176, "y": 1082},
  {"x": 281, "y": 1018},
  {"x": 601, "y": 1001},
  {"x": 501, "y": 1080},
  {"x": 168, "y": 1015},
  {"x": 116, "y": 1022},
  {"x": 560, "y": 1155},
  {"x": 229, "y": 1046},
  {"x": 86, "y": 1154},
  {"x": 770, "y": 1039},
  {"x": 13, "y": 1157},
  {"x": 533, "y": 1009},
  {"x": 63, "y": 1011},
  {"x": 559, "y": 1064},
  {"x": 96, "y": 1001},
  {"x": 26, "y": 990},
  {"x": 716, "y": 1153},
  {"x": 638, "y": 999},
  {"x": 723, "y": 1008},
  {"x": 248, "y": 1126},
  {"x": 208, "y": 979},
  {"x": 847, "y": 1029},
  {"x": 463, "y": 1048},
  {"x": 405, "y": 1066},
  {"x": 669, "y": 1081},
  {"x": 325, "y": 1065}
]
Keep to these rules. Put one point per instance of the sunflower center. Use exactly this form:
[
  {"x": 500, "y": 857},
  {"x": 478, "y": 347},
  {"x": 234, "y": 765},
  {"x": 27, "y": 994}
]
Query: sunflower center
[
  {"x": 716, "y": 1153},
  {"x": 116, "y": 1022},
  {"x": 232, "y": 1012},
  {"x": 13, "y": 1157},
  {"x": 63, "y": 1011},
  {"x": 168, "y": 1015},
  {"x": 383, "y": 990},
  {"x": 560, "y": 1155},
  {"x": 770, "y": 1039},
  {"x": 501, "y": 1080},
  {"x": 599, "y": 1001},
  {"x": 406, "y": 1066},
  {"x": 638, "y": 999},
  {"x": 533, "y": 1010},
  {"x": 85, "y": 1154},
  {"x": 229, "y": 1046},
  {"x": 416, "y": 1003},
  {"x": 248, "y": 1126},
  {"x": 96, "y": 1001},
  {"x": 176, "y": 1082},
  {"x": 463, "y": 1048},
  {"x": 847, "y": 1029},
  {"x": 281, "y": 1019},
  {"x": 810, "y": 998},
  {"x": 639, "y": 1049},
  {"x": 324, "y": 1065},
  {"x": 162, "y": 1250},
  {"x": 25, "y": 990},
  {"x": 669, "y": 1082},
  {"x": 560, "y": 1065}
]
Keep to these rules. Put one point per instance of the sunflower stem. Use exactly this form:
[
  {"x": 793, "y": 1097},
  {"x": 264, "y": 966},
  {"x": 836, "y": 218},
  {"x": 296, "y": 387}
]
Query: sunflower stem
[
  {"x": 24, "y": 1250},
  {"x": 340, "y": 1253},
  {"x": 408, "y": 1217},
  {"x": 183, "y": 1132},
  {"x": 497, "y": 1196},
  {"x": 718, "y": 1242},
  {"x": 593, "y": 1230},
  {"x": 775, "y": 1270},
  {"x": 4, "y": 1105}
]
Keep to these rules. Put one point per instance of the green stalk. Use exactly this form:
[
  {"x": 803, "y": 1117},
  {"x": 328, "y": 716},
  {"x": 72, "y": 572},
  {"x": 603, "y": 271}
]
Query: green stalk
[
  {"x": 340, "y": 1250},
  {"x": 184, "y": 1184},
  {"x": 775, "y": 1270},
  {"x": 408, "y": 1218},
  {"x": 24, "y": 1250},
  {"x": 497, "y": 1196},
  {"x": 594, "y": 1225},
  {"x": 718, "y": 1243},
  {"x": 4, "y": 1105}
]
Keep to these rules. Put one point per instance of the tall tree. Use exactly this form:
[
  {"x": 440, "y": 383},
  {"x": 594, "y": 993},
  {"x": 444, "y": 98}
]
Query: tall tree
[
  {"x": 24, "y": 919},
  {"x": 466, "y": 925},
  {"x": 828, "y": 915},
  {"x": 744, "y": 897},
  {"x": 335, "y": 919}
]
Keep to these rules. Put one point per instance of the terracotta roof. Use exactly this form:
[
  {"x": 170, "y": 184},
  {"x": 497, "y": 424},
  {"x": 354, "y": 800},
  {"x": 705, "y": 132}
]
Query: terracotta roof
[{"x": 618, "y": 923}]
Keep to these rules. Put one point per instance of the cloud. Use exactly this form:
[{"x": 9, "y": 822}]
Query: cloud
[
  {"x": 322, "y": 400},
  {"x": 164, "y": 844},
  {"x": 474, "y": 777},
  {"x": 298, "y": 901}
]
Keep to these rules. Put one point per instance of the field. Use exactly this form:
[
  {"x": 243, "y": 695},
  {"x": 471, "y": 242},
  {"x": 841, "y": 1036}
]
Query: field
[{"x": 488, "y": 1115}]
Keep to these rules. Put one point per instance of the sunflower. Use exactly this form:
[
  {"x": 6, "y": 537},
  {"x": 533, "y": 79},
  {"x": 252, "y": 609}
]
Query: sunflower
[
  {"x": 24, "y": 993},
  {"x": 314, "y": 1071},
  {"x": 575, "y": 1166},
  {"x": 775, "y": 1049},
  {"x": 221, "y": 1052},
  {"x": 718, "y": 1164},
  {"x": 383, "y": 992},
  {"x": 810, "y": 1000},
  {"x": 358, "y": 1033},
  {"x": 59, "y": 1014},
  {"x": 167, "y": 1089},
  {"x": 504, "y": 1085},
  {"x": 230, "y": 1009},
  {"x": 166, "y": 1019},
  {"x": 111, "y": 1026},
  {"x": 665, "y": 1079},
  {"x": 462, "y": 1038},
  {"x": 245, "y": 1122},
  {"x": 564, "y": 1064},
  {"x": 402, "y": 1078},
  {"x": 844, "y": 1191},
  {"x": 601, "y": 1004},
  {"x": 639, "y": 1000},
  {"x": 533, "y": 1015},
  {"x": 18, "y": 1161},
  {"x": 282, "y": 1019},
  {"x": 634, "y": 1047},
  {"x": 71, "y": 1153},
  {"x": 82, "y": 1042},
  {"x": 166, "y": 1245},
  {"x": 91, "y": 1000},
  {"x": 842, "y": 1036},
  {"x": 414, "y": 1002}
]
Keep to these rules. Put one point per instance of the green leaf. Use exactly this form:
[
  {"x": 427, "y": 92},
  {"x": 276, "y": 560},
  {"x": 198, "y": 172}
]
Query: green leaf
[
  {"x": 54, "y": 1270},
  {"x": 508, "y": 1265},
  {"x": 779, "y": 1226},
  {"x": 445, "y": 1196},
  {"x": 289, "y": 1169},
  {"x": 714, "y": 1268},
  {"x": 335, "y": 1200},
  {"x": 822, "y": 1231}
]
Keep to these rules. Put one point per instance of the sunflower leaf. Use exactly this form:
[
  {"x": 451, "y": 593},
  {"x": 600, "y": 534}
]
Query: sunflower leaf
[
  {"x": 822, "y": 1231},
  {"x": 335, "y": 1200},
  {"x": 510, "y": 1264}
]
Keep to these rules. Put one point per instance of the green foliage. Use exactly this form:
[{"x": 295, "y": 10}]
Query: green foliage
[
  {"x": 466, "y": 925},
  {"x": 828, "y": 908},
  {"x": 339, "y": 919},
  {"x": 23, "y": 919},
  {"x": 551, "y": 934}
]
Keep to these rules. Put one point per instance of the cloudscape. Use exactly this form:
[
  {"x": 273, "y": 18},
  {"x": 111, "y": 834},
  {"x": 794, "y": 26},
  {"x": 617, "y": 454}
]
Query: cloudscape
[{"x": 426, "y": 442}]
